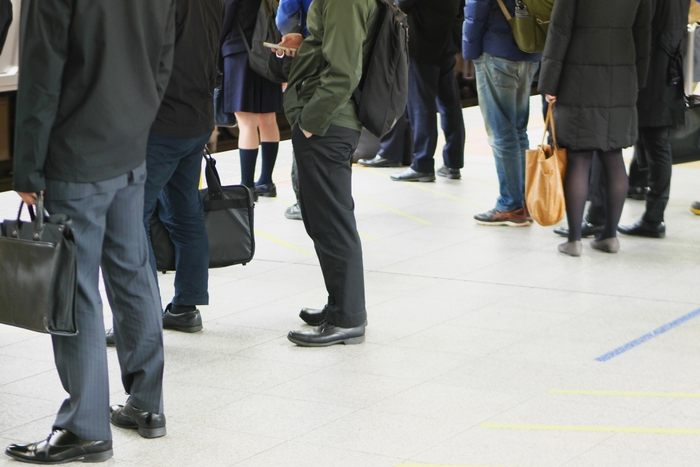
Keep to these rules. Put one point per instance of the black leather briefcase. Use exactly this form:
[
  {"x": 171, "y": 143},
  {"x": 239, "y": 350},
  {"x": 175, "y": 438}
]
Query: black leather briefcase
[{"x": 38, "y": 273}]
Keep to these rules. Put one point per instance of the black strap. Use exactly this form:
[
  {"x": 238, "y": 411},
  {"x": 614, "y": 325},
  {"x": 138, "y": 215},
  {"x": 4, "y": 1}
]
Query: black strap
[{"x": 211, "y": 174}]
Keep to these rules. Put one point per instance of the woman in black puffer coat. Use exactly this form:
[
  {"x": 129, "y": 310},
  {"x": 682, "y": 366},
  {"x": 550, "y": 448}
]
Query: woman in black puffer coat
[{"x": 594, "y": 62}]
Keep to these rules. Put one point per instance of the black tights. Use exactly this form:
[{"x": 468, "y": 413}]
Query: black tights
[{"x": 576, "y": 189}]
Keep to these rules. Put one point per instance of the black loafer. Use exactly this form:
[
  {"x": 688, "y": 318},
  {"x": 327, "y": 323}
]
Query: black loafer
[
  {"x": 61, "y": 446},
  {"x": 587, "y": 230},
  {"x": 410, "y": 175},
  {"x": 268, "y": 190},
  {"x": 148, "y": 424},
  {"x": 313, "y": 316},
  {"x": 189, "y": 321},
  {"x": 379, "y": 161},
  {"x": 109, "y": 335},
  {"x": 642, "y": 228},
  {"x": 327, "y": 334}
]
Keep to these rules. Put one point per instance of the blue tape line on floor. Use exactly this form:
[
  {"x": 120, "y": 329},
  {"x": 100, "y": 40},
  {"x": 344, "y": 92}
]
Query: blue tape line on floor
[{"x": 650, "y": 335}]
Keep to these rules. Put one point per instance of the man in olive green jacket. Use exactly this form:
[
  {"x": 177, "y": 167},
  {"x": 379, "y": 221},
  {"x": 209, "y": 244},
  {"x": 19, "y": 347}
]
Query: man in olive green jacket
[{"x": 325, "y": 72}]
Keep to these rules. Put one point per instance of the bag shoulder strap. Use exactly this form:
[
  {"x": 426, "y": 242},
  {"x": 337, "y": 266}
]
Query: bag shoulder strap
[
  {"x": 245, "y": 39},
  {"x": 504, "y": 10},
  {"x": 212, "y": 175}
]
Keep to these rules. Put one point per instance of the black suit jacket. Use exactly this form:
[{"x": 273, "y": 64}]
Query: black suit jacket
[
  {"x": 434, "y": 28},
  {"x": 92, "y": 76}
]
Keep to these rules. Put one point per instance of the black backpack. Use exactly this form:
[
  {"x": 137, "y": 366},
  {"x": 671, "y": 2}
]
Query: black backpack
[
  {"x": 383, "y": 90},
  {"x": 261, "y": 59}
]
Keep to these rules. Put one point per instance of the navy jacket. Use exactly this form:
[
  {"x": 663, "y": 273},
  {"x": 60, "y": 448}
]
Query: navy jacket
[
  {"x": 433, "y": 28},
  {"x": 486, "y": 30},
  {"x": 244, "y": 12}
]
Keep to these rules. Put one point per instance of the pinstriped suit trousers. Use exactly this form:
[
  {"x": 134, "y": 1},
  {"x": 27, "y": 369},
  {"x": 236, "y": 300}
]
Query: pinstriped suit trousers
[{"x": 108, "y": 222}]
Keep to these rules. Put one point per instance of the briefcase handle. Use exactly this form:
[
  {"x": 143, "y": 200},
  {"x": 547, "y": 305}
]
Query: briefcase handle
[
  {"x": 212, "y": 175},
  {"x": 37, "y": 221}
]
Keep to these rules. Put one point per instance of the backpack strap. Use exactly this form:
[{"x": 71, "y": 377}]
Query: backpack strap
[
  {"x": 504, "y": 10},
  {"x": 245, "y": 39}
]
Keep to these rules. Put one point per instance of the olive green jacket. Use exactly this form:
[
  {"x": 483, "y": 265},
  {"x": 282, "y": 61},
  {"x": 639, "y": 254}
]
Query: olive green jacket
[{"x": 328, "y": 65}]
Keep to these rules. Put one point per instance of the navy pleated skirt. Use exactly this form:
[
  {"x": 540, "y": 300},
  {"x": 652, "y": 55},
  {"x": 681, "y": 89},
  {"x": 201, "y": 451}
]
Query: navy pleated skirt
[{"x": 245, "y": 90}]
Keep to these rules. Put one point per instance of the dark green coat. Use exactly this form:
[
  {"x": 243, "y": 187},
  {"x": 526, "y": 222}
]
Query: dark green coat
[{"x": 595, "y": 61}]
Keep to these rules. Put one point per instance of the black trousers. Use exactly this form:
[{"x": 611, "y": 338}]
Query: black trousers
[
  {"x": 397, "y": 145},
  {"x": 328, "y": 211},
  {"x": 657, "y": 150}
]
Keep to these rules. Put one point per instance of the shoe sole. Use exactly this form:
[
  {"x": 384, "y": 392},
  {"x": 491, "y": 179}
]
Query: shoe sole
[
  {"x": 92, "y": 457},
  {"x": 143, "y": 431},
  {"x": 419, "y": 179},
  {"x": 503, "y": 223},
  {"x": 695, "y": 211},
  {"x": 185, "y": 329},
  {"x": 348, "y": 341},
  {"x": 294, "y": 218},
  {"x": 450, "y": 176}
]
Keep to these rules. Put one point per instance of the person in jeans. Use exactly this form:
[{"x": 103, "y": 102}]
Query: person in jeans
[
  {"x": 504, "y": 76},
  {"x": 432, "y": 88},
  {"x": 325, "y": 131},
  {"x": 182, "y": 127}
]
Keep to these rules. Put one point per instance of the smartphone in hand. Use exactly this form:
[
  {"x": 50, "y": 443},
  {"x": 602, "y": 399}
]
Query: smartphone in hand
[{"x": 275, "y": 46}]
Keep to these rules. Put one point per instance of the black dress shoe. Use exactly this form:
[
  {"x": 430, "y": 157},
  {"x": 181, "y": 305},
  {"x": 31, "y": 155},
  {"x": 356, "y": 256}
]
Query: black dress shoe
[
  {"x": 61, "y": 446},
  {"x": 148, "y": 424},
  {"x": 642, "y": 228},
  {"x": 327, "y": 334},
  {"x": 587, "y": 230},
  {"x": 637, "y": 192},
  {"x": 379, "y": 161},
  {"x": 313, "y": 316},
  {"x": 189, "y": 321},
  {"x": 410, "y": 175},
  {"x": 110, "y": 337}
]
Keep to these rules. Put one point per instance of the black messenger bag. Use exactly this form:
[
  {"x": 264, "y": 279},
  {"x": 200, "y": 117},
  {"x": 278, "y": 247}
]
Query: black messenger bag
[{"x": 228, "y": 217}]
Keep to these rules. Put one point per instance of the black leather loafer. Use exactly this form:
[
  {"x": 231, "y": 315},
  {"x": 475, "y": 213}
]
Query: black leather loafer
[
  {"x": 109, "y": 335},
  {"x": 587, "y": 230},
  {"x": 61, "y": 446},
  {"x": 148, "y": 424},
  {"x": 644, "y": 229},
  {"x": 410, "y": 175},
  {"x": 327, "y": 334},
  {"x": 379, "y": 161},
  {"x": 189, "y": 321},
  {"x": 313, "y": 316},
  {"x": 269, "y": 190}
]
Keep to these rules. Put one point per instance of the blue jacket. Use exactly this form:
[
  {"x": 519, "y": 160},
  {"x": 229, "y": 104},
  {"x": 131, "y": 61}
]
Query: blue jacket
[
  {"x": 486, "y": 30},
  {"x": 291, "y": 14}
]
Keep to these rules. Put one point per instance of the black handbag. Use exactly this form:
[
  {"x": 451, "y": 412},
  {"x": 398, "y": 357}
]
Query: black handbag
[
  {"x": 38, "y": 273},
  {"x": 222, "y": 118},
  {"x": 228, "y": 217},
  {"x": 685, "y": 139}
]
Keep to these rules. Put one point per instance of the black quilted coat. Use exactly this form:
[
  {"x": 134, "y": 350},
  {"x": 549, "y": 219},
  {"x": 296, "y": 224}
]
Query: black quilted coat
[
  {"x": 661, "y": 102},
  {"x": 595, "y": 60}
]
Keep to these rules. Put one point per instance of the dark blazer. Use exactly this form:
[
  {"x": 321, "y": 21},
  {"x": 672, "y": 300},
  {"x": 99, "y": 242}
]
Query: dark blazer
[
  {"x": 434, "y": 28},
  {"x": 245, "y": 12},
  {"x": 595, "y": 60},
  {"x": 187, "y": 110},
  {"x": 661, "y": 102},
  {"x": 83, "y": 115}
]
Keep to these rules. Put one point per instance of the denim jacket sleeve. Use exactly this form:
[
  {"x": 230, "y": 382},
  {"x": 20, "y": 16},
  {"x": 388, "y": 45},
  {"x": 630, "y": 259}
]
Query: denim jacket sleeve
[{"x": 476, "y": 16}]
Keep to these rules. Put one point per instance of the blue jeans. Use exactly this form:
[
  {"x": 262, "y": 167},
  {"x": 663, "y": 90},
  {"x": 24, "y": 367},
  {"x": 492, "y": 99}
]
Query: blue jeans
[
  {"x": 174, "y": 166},
  {"x": 503, "y": 87}
]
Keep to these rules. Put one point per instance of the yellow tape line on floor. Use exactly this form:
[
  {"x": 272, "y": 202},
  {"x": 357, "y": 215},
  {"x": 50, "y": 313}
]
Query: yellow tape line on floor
[
  {"x": 395, "y": 211},
  {"x": 598, "y": 429},
  {"x": 675, "y": 395},
  {"x": 284, "y": 243}
]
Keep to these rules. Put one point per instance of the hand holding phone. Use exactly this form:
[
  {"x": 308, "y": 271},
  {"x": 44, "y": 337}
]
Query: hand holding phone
[{"x": 277, "y": 46}]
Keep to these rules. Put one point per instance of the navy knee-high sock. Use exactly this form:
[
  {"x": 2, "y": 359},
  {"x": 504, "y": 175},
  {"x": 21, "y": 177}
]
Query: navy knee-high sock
[
  {"x": 269, "y": 156},
  {"x": 248, "y": 159}
]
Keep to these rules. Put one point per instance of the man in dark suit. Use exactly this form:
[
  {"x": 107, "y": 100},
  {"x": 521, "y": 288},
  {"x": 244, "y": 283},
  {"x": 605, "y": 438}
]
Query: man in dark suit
[
  {"x": 432, "y": 86},
  {"x": 82, "y": 127}
]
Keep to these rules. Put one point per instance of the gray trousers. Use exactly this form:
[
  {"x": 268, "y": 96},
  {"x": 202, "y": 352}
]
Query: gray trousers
[{"x": 108, "y": 221}]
